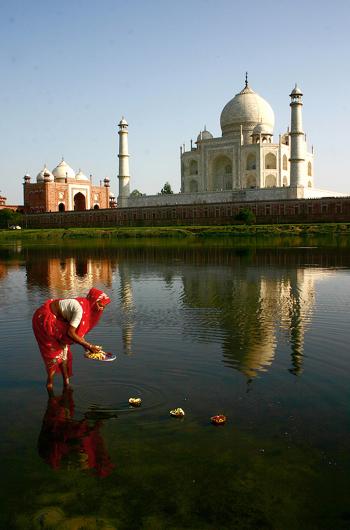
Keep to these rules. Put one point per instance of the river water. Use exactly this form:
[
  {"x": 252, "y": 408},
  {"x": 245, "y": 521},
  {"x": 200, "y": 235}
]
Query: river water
[{"x": 260, "y": 335}]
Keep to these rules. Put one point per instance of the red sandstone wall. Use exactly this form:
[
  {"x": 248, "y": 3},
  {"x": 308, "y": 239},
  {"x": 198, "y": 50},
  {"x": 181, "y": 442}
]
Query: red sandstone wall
[
  {"x": 102, "y": 194},
  {"x": 289, "y": 211},
  {"x": 34, "y": 197}
]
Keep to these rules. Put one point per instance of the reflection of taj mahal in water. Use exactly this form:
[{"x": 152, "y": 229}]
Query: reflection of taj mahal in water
[
  {"x": 263, "y": 306},
  {"x": 256, "y": 312}
]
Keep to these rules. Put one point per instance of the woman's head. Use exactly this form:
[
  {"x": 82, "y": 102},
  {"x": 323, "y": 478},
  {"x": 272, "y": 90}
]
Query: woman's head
[{"x": 98, "y": 299}]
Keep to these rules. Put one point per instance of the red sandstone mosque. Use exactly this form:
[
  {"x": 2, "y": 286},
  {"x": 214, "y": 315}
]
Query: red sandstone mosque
[{"x": 63, "y": 189}]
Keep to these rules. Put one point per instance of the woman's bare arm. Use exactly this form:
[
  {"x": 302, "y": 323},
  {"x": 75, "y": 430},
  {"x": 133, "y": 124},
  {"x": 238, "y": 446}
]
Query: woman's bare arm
[{"x": 80, "y": 340}]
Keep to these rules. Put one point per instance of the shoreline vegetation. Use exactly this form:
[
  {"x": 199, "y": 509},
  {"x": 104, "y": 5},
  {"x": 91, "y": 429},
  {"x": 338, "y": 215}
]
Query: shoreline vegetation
[{"x": 176, "y": 232}]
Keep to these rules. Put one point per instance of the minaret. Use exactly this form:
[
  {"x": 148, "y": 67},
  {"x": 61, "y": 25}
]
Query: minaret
[
  {"x": 297, "y": 140},
  {"x": 123, "y": 176}
]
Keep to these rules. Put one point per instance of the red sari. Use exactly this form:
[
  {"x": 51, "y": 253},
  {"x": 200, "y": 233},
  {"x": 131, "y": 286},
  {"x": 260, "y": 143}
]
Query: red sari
[{"x": 51, "y": 331}]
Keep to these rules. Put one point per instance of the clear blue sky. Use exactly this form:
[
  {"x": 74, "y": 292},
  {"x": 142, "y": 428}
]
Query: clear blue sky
[{"x": 71, "y": 69}]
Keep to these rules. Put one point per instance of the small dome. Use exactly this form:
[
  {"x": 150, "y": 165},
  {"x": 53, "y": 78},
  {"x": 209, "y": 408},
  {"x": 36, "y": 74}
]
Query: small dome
[
  {"x": 62, "y": 171},
  {"x": 111, "y": 195},
  {"x": 48, "y": 175},
  {"x": 262, "y": 128},
  {"x": 81, "y": 176},
  {"x": 247, "y": 109},
  {"x": 204, "y": 135},
  {"x": 296, "y": 91}
]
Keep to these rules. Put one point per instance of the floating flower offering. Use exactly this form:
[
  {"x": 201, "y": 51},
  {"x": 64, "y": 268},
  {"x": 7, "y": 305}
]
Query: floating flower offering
[
  {"x": 177, "y": 412},
  {"x": 135, "y": 402},
  {"x": 220, "y": 419}
]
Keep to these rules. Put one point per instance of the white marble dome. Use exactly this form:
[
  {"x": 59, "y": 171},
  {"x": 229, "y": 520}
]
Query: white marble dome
[
  {"x": 81, "y": 176},
  {"x": 48, "y": 174},
  {"x": 247, "y": 109},
  {"x": 262, "y": 128},
  {"x": 204, "y": 135},
  {"x": 62, "y": 171}
]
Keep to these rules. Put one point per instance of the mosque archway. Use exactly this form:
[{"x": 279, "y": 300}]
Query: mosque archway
[
  {"x": 96, "y": 207},
  {"x": 79, "y": 202},
  {"x": 270, "y": 161},
  {"x": 285, "y": 162},
  {"x": 61, "y": 207},
  {"x": 285, "y": 182},
  {"x": 221, "y": 174},
  {"x": 309, "y": 169},
  {"x": 270, "y": 181}
]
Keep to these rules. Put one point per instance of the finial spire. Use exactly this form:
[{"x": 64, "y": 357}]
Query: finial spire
[{"x": 246, "y": 79}]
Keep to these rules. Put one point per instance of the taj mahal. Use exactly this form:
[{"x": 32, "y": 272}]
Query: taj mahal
[{"x": 245, "y": 163}]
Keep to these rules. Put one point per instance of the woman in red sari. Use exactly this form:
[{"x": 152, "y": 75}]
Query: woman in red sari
[{"x": 59, "y": 323}]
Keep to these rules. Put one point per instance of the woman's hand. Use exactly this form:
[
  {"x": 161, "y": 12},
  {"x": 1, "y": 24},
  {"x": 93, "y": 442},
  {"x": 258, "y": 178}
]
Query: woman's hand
[{"x": 94, "y": 348}]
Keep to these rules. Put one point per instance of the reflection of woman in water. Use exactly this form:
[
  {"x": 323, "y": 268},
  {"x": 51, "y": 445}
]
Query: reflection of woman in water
[
  {"x": 59, "y": 323},
  {"x": 65, "y": 442}
]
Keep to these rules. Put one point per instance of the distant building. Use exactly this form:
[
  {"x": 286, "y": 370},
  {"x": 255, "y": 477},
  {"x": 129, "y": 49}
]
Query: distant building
[
  {"x": 4, "y": 206},
  {"x": 243, "y": 164},
  {"x": 63, "y": 190}
]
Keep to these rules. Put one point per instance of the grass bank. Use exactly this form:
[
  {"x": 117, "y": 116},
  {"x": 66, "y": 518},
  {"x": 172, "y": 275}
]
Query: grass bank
[{"x": 175, "y": 232}]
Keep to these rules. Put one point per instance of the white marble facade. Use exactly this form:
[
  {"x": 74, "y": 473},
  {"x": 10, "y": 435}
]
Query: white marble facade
[
  {"x": 245, "y": 156},
  {"x": 244, "y": 163}
]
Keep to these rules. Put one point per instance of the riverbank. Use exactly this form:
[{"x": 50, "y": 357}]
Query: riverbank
[{"x": 175, "y": 232}]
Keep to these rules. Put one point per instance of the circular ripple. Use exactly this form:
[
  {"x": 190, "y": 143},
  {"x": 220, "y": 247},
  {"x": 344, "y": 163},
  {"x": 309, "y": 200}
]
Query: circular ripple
[{"x": 109, "y": 398}]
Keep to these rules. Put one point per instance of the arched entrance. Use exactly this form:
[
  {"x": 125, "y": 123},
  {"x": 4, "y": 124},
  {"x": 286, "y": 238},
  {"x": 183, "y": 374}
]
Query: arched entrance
[
  {"x": 96, "y": 207},
  {"x": 79, "y": 202},
  {"x": 61, "y": 207},
  {"x": 221, "y": 174},
  {"x": 270, "y": 181}
]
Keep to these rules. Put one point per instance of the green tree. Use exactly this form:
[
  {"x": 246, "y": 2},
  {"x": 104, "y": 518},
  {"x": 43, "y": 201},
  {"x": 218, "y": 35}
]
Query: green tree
[
  {"x": 166, "y": 189},
  {"x": 246, "y": 216},
  {"x": 9, "y": 217},
  {"x": 136, "y": 193}
]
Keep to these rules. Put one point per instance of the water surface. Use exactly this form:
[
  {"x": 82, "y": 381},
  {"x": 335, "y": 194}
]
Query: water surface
[{"x": 258, "y": 334}]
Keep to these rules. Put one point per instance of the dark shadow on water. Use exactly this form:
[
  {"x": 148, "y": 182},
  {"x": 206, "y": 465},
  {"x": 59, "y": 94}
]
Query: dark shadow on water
[{"x": 67, "y": 443}]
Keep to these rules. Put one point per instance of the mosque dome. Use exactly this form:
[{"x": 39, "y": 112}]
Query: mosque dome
[
  {"x": 62, "y": 171},
  {"x": 45, "y": 172},
  {"x": 81, "y": 176},
  {"x": 248, "y": 109},
  {"x": 204, "y": 135},
  {"x": 262, "y": 128}
]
